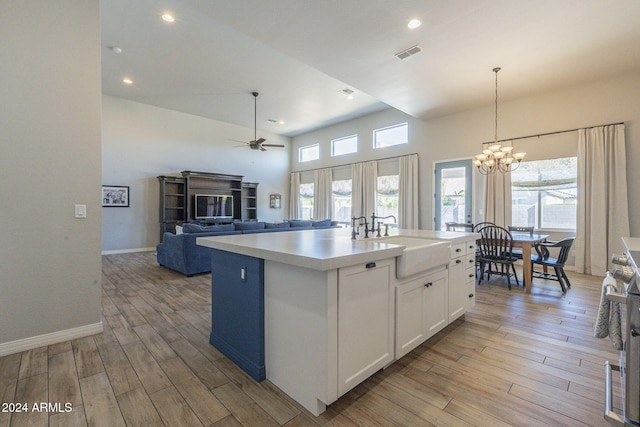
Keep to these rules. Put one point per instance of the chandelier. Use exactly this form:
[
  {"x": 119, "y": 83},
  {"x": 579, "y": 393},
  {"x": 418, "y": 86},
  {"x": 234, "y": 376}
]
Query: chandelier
[{"x": 497, "y": 156}]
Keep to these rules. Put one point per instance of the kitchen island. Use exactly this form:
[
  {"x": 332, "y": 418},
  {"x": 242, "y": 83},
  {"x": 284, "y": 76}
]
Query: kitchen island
[{"x": 317, "y": 313}]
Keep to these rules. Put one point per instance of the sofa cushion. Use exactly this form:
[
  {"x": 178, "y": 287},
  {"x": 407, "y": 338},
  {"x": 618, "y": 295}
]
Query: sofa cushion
[
  {"x": 251, "y": 225},
  {"x": 299, "y": 223},
  {"x": 284, "y": 224},
  {"x": 323, "y": 223},
  {"x": 197, "y": 228}
]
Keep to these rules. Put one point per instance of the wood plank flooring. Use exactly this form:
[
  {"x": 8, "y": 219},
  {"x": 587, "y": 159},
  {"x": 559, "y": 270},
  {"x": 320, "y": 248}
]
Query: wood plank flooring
[{"x": 516, "y": 359}]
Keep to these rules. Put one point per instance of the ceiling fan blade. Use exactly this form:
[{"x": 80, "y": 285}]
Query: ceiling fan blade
[
  {"x": 262, "y": 148},
  {"x": 273, "y": 145},
  {"x": 260, "y": 140}
]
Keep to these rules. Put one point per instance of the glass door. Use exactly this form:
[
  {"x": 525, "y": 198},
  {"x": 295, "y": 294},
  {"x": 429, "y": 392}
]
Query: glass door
[{"x": 453, "y": 193}]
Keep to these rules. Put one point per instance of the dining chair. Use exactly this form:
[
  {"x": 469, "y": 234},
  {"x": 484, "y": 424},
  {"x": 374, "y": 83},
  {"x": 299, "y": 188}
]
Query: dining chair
[
  {"x": 543, "y": 258},
  {"x": 496, "y": 249},
  {"x": 518, "y": 252},
  {"x": 478, "y": 226},
  {"x": 476, "y": 229},
  {"x": 458, "y": 226}
]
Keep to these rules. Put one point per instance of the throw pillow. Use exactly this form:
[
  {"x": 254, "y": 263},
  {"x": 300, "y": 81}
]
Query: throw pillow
[
  {"x": 251, "y": 225},
  {"x": 197, "y": 228},
  {"x": 284, "y": 224},
  {"x": 323, "y": 223},
  {"x": 299, "y": 223}
]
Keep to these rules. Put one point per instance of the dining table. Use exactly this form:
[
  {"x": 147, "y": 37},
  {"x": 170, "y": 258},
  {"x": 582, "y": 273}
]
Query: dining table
[{"x": 526, "y": 241}]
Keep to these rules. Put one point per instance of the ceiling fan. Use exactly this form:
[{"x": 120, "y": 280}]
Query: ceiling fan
[{"x": 258, "y": 143}]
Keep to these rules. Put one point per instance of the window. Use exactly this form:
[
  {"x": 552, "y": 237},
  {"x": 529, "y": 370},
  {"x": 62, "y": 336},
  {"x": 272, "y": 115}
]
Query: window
[
  {"x": 392, "y": 135},
  {"x": 308, "y": 153},
  {"x": 544, "y": 194},
  {"x": 387, "y": 196},
  {"x": 306, "y": 200},
  {"x": 342, "y": 201},
  {"x": 346, "y": 145}
]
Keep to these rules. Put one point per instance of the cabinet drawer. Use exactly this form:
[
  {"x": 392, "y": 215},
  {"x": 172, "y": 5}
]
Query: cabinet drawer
[
  {"x": 471, "y": 295},
  {"x": 471, "y": 247},
  {"x": 459, "y": 249},
  {"x": 470, "y": 274},
  {"x": 470, "y": 261}
]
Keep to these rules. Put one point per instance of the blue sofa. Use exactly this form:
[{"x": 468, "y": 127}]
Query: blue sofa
[{"x": 180, "y": 252}]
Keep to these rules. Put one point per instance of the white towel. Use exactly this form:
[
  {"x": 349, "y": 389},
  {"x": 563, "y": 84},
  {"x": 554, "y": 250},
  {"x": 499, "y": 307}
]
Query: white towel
[{"x": 608, "y": 322}]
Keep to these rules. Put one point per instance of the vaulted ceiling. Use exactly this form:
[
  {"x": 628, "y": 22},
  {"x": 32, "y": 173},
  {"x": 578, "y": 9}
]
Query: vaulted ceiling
[{"x": 300, "y": 54}]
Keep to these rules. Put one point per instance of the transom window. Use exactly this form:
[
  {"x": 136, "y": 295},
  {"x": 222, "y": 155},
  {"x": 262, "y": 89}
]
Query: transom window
[
  {"x": 346, "y": 145},
  {"x": 544, "y": 194},
  {"x": 392, "y": 135},
  {"x": 308, "y": 153}
]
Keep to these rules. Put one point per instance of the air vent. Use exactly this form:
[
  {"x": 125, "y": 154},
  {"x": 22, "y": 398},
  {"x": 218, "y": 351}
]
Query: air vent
[{"x": 409, "y": 52}]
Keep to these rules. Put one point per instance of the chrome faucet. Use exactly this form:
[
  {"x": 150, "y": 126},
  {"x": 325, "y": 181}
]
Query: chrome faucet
[
  {"x": 354, "y": 233},
  {"x": 386, "y": 226}
]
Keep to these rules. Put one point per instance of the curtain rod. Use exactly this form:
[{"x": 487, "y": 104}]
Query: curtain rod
[
  {"x": 349, "y": 164},
  {"x": 551, "y": 133}
]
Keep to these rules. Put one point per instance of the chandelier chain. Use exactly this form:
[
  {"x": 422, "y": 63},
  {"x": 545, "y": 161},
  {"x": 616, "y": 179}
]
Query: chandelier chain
[
  {"x": 497, "y": 157},
  {"x": 496, "y": 123}
]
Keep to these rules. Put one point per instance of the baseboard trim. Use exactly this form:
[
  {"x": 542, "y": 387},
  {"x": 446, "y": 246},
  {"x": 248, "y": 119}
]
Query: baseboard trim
[
  {"x": 127, "y": 251},
  {"x": 49, "y": 339}
]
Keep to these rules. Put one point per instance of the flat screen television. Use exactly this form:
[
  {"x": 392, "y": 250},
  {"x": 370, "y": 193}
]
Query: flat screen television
[{"x": 211, "y": 206}]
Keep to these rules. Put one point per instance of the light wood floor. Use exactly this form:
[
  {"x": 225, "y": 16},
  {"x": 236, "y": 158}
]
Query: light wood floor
[{"x": 516, "y": 359}]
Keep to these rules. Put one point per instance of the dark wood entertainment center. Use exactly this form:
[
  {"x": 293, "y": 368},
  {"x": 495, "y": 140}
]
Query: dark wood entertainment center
[{"x": 177, "y": 195}]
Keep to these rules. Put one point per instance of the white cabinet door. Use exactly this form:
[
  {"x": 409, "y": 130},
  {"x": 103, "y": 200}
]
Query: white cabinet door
[
  {"x": 435, "y": 297},
  {"x": 421, "y": 310},
  {"x": 365, "y": 321},
  {"x": 409, "y": 316}
]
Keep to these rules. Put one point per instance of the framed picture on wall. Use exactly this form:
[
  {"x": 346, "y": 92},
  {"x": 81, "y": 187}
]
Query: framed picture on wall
[
  {"x": 115, "y": 196},
  {"x": 274, "y": 201}
]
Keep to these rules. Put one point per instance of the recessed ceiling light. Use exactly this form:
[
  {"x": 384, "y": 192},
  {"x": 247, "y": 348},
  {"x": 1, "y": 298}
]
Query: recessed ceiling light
[
  {"x": 127, "y": 81},
  {"x": 414, "y": 23},
  {"x": 167, "y": 17},
  {"x": 274, "y": 121},
  {"x": 348, "y": 93}
]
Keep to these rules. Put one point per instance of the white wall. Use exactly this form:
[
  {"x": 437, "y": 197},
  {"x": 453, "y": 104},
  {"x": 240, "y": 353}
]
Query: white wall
[
  {"x": 140, "y": 142},
  {"x": 460, "y": 136},
  {"x": 50, "y": 264}
]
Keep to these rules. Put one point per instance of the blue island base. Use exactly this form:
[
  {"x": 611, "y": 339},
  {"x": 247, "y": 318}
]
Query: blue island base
[{"x": 237, "y": 310}]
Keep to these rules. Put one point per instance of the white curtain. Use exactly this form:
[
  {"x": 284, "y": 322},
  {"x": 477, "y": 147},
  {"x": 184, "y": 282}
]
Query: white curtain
[
  {"x": 294, "y": 196},
  {"x": 369, "y": 187},
  {"x": 322, "y": 194},
  {"x": 408, "y": 193},
  {"x": 603, "y": 213},
  {"x": 497, "y": 199},
  {"x": 356, "y": 190}
]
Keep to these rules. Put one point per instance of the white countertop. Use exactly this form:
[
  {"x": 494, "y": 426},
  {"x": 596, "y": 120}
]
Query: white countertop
[
  {"x": 631, "y": 243},
  {"x": 324, "y": 249}
]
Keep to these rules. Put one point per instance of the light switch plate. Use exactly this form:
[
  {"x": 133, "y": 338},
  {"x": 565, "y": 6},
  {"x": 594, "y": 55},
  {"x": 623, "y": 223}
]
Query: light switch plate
[{"x": 81, "y": 211}]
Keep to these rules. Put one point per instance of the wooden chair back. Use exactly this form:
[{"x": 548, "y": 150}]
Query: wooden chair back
[
  {"x": 496, "y": 244},
  {"x": 480, "y": 225}
]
